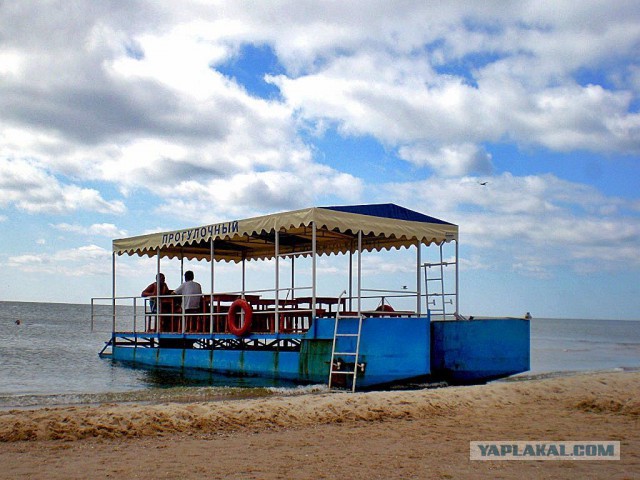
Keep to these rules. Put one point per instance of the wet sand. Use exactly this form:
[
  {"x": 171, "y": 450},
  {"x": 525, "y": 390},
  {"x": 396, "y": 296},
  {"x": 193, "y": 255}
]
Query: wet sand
[{"x": 399, "y": 434}]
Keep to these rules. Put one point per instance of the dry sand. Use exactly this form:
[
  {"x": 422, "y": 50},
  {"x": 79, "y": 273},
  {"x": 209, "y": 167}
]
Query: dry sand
[{"x": 399, "y": 434}]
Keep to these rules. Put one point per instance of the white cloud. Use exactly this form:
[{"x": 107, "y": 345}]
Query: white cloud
[
  {"x": 452, "y": 160},
  {"x": 115, "y": 86},
  {"x": 543, "y": 219},
  {"x": 130, "y": 96},
  {"x": 135, "y": 99},
  {"x": 82, "y": 261},
  {"x": 97, "y": 229},
  {"x": 521, "y": 87},
  {"x": 247, "y": 194},
  {"x": 31, "y": 188}
]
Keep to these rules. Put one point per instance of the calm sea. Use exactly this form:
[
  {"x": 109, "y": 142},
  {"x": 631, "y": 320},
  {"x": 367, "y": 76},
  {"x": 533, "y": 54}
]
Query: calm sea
[{"x": 51, "y": 358}]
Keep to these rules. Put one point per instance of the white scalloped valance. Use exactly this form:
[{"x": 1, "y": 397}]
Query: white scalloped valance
[{"x": 384, "y": 226}]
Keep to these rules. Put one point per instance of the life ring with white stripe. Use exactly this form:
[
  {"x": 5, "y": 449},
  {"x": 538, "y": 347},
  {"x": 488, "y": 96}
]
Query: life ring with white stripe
[{"x": 232, "y": 320}]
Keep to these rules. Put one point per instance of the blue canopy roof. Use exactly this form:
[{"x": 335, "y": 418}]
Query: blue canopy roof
[{"x": 388, "y": 210}]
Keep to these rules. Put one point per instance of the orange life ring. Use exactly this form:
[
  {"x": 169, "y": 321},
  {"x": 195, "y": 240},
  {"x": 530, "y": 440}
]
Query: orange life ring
[{"x": 231, "y": 317}]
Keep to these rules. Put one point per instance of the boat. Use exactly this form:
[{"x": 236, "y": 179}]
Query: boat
[{"x": 353, "y": 336}]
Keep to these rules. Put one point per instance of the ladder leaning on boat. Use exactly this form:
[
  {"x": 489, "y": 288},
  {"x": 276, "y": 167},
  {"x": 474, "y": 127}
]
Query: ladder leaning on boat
[{"x": 351, "y": 351}]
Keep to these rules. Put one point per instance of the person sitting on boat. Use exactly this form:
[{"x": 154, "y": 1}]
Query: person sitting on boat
[
  {"x": 151, "y": 290},
  {"x": 192, "y": 292}
]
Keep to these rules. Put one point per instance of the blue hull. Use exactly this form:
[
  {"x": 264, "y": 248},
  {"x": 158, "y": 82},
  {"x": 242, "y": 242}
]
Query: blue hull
[
  {"x": 473, "y": 351},
  {"x": 392, "y": 349}
]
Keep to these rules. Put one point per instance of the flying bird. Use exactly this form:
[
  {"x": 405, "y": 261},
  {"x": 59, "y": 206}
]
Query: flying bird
[{"x": 483, "y": 183}]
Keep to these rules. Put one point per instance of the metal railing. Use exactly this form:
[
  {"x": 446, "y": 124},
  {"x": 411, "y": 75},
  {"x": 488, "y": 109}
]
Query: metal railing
[
  {"x": 291, "y": 314},
  {"x": 164, "y": 313}
]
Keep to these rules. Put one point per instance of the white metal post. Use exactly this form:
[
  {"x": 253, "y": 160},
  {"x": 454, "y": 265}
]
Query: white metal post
[
  {"x": 158, "y": 302},
  {"x": 418, "y": 281},
  {"x": 350, "y": 278},
  {"x": 113, "y": 292},
  {"x": 181, "y": 265},
  {"x": 213, "y": 262},
  {"x": 313, "y": 268},
  {"x": 277, "y": 257},
  {"x": 359, "y": 272},
  {"x": 457, "y": 282},
  {"x": 244, "y": 259},
  {"x": 293, "y": 276}
]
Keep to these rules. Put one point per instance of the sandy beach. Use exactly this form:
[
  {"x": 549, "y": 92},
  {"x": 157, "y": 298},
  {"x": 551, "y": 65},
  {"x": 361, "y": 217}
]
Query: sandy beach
[{"x": 396, "y": 434}]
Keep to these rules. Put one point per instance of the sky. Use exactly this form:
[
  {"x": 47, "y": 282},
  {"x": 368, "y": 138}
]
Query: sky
[{"x": 518, "y": 121}]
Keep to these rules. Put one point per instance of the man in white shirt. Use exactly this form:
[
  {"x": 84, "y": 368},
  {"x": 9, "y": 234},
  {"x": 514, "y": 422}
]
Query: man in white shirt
[{"x": 192, "y": 292}]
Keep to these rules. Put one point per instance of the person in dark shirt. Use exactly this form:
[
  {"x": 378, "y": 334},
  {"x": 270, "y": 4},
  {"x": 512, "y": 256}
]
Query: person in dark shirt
[{"x": 166, "y": 303}]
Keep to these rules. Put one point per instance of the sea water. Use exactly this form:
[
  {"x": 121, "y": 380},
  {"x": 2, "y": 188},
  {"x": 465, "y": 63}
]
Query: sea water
[
  {"x": 49, "y": 356},
  {"x": 575, "y": 345}
]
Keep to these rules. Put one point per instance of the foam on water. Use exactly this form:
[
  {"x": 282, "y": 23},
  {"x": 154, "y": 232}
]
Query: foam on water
[{"x": 154, "y": 396}]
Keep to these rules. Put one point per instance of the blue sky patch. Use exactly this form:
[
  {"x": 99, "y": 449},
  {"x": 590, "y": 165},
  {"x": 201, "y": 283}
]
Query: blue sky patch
[{"x": 249, "y": 68}]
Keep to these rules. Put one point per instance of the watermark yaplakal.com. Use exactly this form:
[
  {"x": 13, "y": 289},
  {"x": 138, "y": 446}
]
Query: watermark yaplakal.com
[{"x": 544, "y": 450}]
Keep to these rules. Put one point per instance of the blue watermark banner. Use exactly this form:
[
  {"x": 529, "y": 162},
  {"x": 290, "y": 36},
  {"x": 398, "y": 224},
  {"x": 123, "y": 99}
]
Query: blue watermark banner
[{"x": 544, "y": 450}]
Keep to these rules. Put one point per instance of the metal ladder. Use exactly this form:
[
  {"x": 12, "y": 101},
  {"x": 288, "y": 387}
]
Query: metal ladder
[
  {"x": 349, "y": 353},
  {"x": 437, "y": 295}
]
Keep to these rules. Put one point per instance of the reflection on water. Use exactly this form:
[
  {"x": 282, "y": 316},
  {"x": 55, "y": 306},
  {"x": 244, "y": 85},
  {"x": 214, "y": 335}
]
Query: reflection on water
[{"x": 169, "y": 378}]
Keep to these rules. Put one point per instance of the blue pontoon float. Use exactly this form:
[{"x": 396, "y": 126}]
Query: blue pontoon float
[{"x": 357, "y": 337}]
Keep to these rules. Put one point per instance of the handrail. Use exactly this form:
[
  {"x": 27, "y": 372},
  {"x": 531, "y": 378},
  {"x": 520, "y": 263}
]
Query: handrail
[
  {"x": 211, "y": 319},
  {"x": 412, "y": 292},
  {"x": 157, "y": 322}
]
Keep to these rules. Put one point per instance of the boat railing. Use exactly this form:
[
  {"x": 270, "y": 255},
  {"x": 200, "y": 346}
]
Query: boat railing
[
  {"x": 378, "y": 301},
  {"x": 113, "y": 314},
  {"x": 285, "y": 310},
  {"x": 395, "y": 301},
  {"x": 272, "y": 310}
]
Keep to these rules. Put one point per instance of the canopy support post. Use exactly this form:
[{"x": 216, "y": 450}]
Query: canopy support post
[
  {"x": 181, "y": 264},
  {"x": 277, "y": 296},
  {"x": 313, "y": 267},
  {"x": 350, "y": 278},
  {"x": 457, "y": 282},
  {"x": 113, "y": 293},
  {"x": 418, "y": 283},
  {"x": 244, "y": 268},
  {"x": 359, "y": 272},
  {"x": 213, "y": 262},
  {"x": 158, "y": 302}
]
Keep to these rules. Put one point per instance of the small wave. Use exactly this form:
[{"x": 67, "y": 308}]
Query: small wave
[
  {"x": 521, "y": 377},
  {"x": 298, "y": 390},
  {"x": 151, "y": 395}
]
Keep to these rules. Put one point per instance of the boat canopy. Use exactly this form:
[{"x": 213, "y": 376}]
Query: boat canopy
[{"x": 383, "y": 226}]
